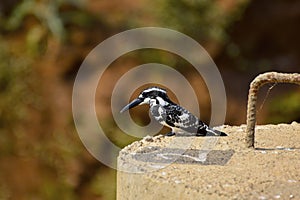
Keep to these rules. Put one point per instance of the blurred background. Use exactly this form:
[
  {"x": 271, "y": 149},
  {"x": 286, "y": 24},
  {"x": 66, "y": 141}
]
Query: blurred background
[{"x": 43, "y": 43}]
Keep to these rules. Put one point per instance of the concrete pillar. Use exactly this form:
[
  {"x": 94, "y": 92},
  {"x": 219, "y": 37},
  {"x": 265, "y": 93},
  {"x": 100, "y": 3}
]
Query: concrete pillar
[{"x": 213, "y": 167}]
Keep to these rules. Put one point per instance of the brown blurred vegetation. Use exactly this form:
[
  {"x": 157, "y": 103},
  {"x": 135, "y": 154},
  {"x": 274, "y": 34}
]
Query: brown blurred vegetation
[{"x": 43, "y": 43}]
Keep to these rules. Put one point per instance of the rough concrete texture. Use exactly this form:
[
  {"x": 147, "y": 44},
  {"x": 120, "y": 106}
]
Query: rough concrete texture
[{"x": 213, "y": 167}]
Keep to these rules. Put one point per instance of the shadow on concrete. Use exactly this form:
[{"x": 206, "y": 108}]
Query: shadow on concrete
[
  {"x": 276, "y": 149},
  {"x": 183, "y": 156}
]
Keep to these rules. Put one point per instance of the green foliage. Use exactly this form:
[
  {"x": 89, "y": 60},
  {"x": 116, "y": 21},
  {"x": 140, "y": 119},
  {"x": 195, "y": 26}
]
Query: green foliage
[
  {"x": 201, "y": 19},
  {"x": 285, "y": 109},
  {"x": 104, "y": 185},
  {"x": 13, "y": 82},
  {"x": 207, "y": 21},
  {"x": 45, "y": 11},
  {"x": 19, "y": 99},
  {"x": 15, "y": 94},
  {"x": 48, "y": 19}
]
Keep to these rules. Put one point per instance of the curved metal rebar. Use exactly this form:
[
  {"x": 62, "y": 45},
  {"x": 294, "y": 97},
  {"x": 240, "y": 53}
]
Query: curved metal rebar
[{"x": 259, "y": 81}]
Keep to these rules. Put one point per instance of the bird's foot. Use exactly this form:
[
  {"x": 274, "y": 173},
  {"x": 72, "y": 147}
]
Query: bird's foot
[
  {"x": 170, "y": 134},
  {"x": 201, "y": 132}
]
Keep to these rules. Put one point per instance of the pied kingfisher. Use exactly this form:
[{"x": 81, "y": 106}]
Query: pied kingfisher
[{"x": 170, "y": 114}]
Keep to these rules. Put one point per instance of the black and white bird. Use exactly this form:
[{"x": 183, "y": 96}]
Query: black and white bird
[{"x": 170, "y": 114}]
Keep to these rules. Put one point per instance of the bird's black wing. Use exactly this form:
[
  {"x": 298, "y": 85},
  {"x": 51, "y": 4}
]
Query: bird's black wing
[{"x": 177, "y": 116}]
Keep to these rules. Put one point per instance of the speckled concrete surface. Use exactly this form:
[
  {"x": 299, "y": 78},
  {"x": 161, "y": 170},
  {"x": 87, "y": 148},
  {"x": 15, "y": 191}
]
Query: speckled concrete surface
[{"x": 213, "y": 168}]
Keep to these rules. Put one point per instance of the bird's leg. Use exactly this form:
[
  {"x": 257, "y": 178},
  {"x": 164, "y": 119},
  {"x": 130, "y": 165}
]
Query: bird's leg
[
  {"x": 170, "y": 133},
  {"x": 201, "y": 131}
]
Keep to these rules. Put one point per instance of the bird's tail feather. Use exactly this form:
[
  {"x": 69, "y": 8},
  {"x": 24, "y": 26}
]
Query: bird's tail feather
[{"x": 213, "y": 132}]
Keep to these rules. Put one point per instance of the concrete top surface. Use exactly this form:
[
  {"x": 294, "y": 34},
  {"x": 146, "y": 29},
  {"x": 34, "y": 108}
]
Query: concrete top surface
[{"x": 180, "y": 167}]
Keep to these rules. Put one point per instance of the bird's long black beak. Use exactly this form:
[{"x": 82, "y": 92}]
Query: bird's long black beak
[{"x": 132, "y": 104}]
